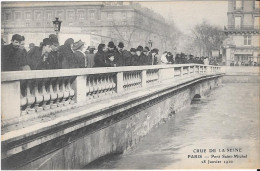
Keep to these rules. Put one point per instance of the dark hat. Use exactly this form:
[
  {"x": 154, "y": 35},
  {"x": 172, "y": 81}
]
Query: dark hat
[
  {"x": 132, "y": 50},
  {"x": 17, "y": 37},
  {"x": 31, "y": 45},
  {"x": 91, "y": 48},
  {"x": 77, "y": 45},
  {"x": 46, "y": 41},
  {"x": 111, "y": 44},
  {"x": 121, "y": 45},
  {"x": 155, "y": 51},
  {"x": 54, "y": 39},
  {"x": 146, "y": 49},
  {"x": 139, "y": 48}
]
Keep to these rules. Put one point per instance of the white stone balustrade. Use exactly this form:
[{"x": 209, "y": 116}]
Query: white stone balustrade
[{"x": 27, "y": 94}]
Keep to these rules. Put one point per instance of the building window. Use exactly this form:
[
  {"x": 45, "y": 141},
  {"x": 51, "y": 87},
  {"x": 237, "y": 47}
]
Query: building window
[
  {"x": 124, "y": 14},
  {"x": 124, "y": 23},
  {"x": 70, "y": 15},
  {"x": 92, "y": 15},
  {"x": 28, "y": 16},
  {"x": 81, "y": 14},
  {"x": 7, "y": 15},
  {"x": 37, "y": 15},
  {"x": 59, "y": 14},
  {"x": 27, "y": 24},
  {"x": 92, "y": 23},
  {"x": 247, "y": 40},
  {"x": 49, "y": 15},
  {"x": 17, "y": 15},
  {"x": 109, "y": 15},
  {"x": 238, "y": 4},
  {"x": 256, "y": 22},
  {"x": 237, "y": 22},
  {"x": 257, "y": 4}
]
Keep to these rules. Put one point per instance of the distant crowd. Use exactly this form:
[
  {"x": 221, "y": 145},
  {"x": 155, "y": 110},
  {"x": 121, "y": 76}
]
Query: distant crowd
[{"x": 74, "y": 54}]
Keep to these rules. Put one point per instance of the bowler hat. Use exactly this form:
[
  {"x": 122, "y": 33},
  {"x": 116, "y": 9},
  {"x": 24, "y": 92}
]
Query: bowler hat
[
  {"x": 77, "y": 45},
  {"x": 111, "y": 44},
  {"x": 54, "y": 39},
  {"x": 146, "y": 49},
  {"x": 46, "y": 41},
  {"x": 132, "y": 50},
  {"x": 139, "y": 48},
  {"x": 121, "y": 45}
]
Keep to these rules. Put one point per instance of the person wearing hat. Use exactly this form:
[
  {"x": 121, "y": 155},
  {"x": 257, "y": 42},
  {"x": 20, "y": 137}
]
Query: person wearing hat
[
  {"x": 129, "y": 55},
  {"x": 38, "y": 56},
  {"x": 90, "y": 56},
  {"x": 101, "y": 57},
  {"x": 66, "y": 55},
  {"x": 53, "y": 56},
  {"x": 142, "y": 59},
  {"x": 121, "y": 54},
  {"x": 111, "y": 60},
  {"x": 79, "y": 54},
  {"x": 12, "y": 58},
  {"x": 152, "y": 58},
  {"x": 111, "y": 49},
  {"x": 134, "y": 57}
]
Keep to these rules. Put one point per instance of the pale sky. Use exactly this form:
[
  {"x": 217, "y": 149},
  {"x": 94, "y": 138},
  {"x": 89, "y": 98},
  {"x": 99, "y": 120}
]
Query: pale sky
[{"x": 187, "y": 14}]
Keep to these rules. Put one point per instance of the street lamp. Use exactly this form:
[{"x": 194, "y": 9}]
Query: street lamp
[
  {"x": 56, "y": 25},
  {"x": 150, "y": 43}
]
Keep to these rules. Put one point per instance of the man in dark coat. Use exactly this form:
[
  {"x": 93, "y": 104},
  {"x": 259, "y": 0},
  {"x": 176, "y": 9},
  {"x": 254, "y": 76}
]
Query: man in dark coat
[
  {"x": 66, "y": 55},
  {"x": 38, "y": 56},
  {"x": 53, "y": 55},
  {"x": 129, "y": 58},
  {"x": 111, "y": 49},
  {"x": 101, "y": 56},
  {"x": 12, "y": 57},
  {"x": 121, "y": 54},
  {"x": 142, "y": 57},
  {"x": 79, "y": 55}
]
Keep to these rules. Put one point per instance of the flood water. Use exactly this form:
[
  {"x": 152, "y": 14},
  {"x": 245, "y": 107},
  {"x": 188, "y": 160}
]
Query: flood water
[{"x": 227, "y": 118}]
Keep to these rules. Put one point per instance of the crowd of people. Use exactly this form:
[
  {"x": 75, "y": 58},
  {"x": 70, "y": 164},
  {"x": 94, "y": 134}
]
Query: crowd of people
[{"x": 50, "y": 55}]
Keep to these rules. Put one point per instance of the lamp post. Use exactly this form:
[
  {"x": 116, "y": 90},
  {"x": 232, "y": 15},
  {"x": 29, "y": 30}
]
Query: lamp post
[
  {"x": 56, "y": 25},
  {"x": 150, "y": 44}
]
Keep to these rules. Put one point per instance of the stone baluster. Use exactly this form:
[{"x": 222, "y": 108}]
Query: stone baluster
[
  {"x": 66, "y": 93},
  {"x": 46, "y": 94},
  {"x": 95, "y": 88},
  {"x": 125, "y": 82},
  {"x": 72, "y": 92},
  {"x": 59, "y": 92},
  {"x": 53, "y": 93},
  {"x": 105, "y": 84},
  {"x": 91, "y": 87},
  {"x": 38, "y": 96},
  {"x": 181, "y": 71},
  {"x": 23, "y": 99},
  {"x": 30, "y": 97},
  {"x": 115, "y": 84}
]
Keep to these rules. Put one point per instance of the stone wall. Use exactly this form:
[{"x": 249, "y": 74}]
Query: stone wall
[{"x": 116, "y": 133}]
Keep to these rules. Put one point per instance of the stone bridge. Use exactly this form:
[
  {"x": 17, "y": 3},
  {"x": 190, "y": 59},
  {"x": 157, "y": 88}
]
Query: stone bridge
[{"x": 65, "y": 119}]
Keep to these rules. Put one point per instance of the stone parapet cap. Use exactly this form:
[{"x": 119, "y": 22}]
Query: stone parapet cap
[{"x": 37, "y": 74}]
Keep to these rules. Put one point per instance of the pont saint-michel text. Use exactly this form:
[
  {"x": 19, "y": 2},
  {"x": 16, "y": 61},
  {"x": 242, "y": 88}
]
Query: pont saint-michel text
[{"x": 217, "y": 156}]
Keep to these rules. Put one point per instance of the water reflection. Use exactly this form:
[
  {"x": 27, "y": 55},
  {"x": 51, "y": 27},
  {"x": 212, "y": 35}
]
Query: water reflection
[{"x": 227, "y": 118}]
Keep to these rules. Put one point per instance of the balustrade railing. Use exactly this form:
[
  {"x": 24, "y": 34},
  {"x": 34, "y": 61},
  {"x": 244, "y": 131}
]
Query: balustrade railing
[{"x": 32, "y": 94}]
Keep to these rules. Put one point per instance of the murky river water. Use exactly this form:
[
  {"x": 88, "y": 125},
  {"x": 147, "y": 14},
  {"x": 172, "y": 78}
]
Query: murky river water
[{"x": 227, "y": 118}]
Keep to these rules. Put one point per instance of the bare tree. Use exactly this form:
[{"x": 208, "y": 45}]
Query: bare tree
[{"x": 207, "y": 37}]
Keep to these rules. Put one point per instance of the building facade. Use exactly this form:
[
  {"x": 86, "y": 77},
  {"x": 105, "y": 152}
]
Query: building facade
[
  {"x": 92, "y": 22},
  {"x": 242, "y": 45}
]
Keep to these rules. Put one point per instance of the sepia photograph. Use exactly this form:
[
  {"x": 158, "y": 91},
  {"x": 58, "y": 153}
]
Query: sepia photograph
[{"x": 130, "y": 85}]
